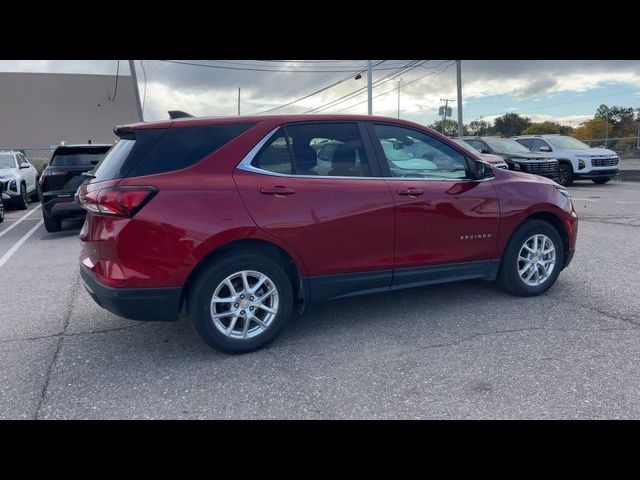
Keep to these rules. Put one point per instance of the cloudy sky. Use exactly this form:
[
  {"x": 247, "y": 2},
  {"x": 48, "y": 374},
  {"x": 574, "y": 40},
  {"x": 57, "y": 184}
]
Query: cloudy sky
[{"x": 564, "y": 91}]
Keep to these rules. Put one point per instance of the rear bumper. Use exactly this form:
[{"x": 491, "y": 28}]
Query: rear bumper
[
  {"x": 149, "y": 304},
  {"x": 62, "y": 208}
]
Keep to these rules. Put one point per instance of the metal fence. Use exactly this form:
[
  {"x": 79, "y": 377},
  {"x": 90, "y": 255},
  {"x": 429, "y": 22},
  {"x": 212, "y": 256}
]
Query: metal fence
[{"x": 621, "y": 145}]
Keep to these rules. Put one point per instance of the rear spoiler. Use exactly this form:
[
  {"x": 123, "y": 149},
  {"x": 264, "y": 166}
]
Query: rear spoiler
[{"x": 173, "y": 114}]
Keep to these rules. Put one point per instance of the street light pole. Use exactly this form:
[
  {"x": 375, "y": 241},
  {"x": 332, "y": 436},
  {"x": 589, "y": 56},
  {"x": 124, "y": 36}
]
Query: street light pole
[
  {"x": 459, "y": 81},
  {"x": 238, "y": 101},
  {"x": 136, "y": 92},
  {"x": 399, "y": 82},
  {"x": 369, "y": 87}
]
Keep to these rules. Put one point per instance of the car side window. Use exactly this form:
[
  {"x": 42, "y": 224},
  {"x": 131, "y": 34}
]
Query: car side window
[
  {"x": 525, "y": 142},
  {"x": 478, "y": 145},
  {"x": 537, "y": 144},
  {"x": 315, "y": 149},
  {"x": 413, "y": 154},
  {"x": 23, "y": 159}
]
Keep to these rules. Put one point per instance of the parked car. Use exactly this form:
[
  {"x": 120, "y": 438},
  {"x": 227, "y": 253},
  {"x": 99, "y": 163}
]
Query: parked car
[
  {"x": 239, "y": 221},
  {"x": 1, "y": 204},
  {"x": 19, "y": 178},
  {"x": 516, "y": 156},
  {"x": 61, "y": 178},
  {"x": 577, "y": 159},
  {"x": 493, "y": 160}
]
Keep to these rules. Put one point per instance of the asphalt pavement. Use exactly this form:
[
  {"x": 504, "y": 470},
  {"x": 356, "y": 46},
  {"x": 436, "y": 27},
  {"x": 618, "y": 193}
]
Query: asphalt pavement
[{"x": 464, "y": 350}]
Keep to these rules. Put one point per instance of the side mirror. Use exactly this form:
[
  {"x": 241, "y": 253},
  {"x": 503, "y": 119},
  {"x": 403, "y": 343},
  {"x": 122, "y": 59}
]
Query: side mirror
[
  {"x": 484, "y": 150},
  {"x": 483, "y": 170},
  {"x": 544, "y": 149}
]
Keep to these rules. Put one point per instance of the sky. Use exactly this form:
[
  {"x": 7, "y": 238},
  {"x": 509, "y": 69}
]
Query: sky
[{"x": 568, "y": 92}]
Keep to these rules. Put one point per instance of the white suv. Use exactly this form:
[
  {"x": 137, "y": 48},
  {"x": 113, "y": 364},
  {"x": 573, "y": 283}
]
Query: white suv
[
  {"x": 577, "y": 160},
  {"x": 19, "y": 178}
]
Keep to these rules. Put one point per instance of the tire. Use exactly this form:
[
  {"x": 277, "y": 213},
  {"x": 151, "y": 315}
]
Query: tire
[
  {"x": 1, "y": 211},
  {"x": 509, "y": 276},
  {"x": 35, "y": 196},
  {"x": 22, "y": 202},
  {"x": 565, "y": 174},
  {"x": 51, "y": 224},
  {"x": 211, "y": 280},
  {"x": 601, "y": 181}
]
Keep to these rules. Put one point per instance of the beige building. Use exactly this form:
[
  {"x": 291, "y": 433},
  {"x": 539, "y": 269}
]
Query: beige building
[{"x": 38, "y": 110}]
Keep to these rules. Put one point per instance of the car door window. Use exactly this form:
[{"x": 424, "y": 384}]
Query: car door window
[
  {"x": 537, "y": 144},
  {"x": 315, "y": 149},
  {"x": 525, "y": 142},
  {"x": 413, "y": 154},
  {"x": 479, "y": 145}
]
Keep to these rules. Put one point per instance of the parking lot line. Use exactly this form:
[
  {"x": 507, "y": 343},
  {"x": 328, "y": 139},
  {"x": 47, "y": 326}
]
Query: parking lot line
[
  {"x": 4, "y": 232},
  {"x": 19, "y": 243}
]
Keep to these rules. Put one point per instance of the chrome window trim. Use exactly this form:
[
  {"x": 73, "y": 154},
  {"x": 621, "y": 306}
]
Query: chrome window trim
[{"x": 245, "y": 165}]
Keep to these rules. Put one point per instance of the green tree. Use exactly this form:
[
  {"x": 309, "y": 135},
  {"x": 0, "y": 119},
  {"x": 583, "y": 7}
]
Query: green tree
[
  {"x": 542, "y": 128},
  {"x": 450, "y": 127},
  {"x": 478, "y": 127},
  {"x": 510, "y": 124}
]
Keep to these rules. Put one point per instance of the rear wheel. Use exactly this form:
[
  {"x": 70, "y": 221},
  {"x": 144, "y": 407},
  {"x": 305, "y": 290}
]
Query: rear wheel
[
  {"x": 52, "y": 224},
  {"x": 601, "y": 181},
  {"x": 240, "y": 302},
  {"x": 565, "y": 174},
  {"x": 1, "y": 210},
  {"x": 533, "y": 259}
]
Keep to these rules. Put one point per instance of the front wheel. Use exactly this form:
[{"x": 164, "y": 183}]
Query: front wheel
[
  {"x": 239, "y": 303},
  {"x": 601, "y": 181},
  {"x": 22, "y": 201},
  {"x": 565, "y": 174},
  {"x": 533, "y": 259}
]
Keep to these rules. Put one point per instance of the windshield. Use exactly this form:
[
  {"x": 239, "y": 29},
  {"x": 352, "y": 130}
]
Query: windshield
[
  {"x": 7, "y": 161},
  {"x": 567, "y": 143},
  {"x": 505, "y": 145}
]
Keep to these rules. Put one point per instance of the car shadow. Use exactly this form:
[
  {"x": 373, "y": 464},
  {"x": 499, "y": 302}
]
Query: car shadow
[{"x": 70, "y": 228}]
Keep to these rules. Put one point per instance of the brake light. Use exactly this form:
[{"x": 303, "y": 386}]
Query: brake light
[{"x": 117, "y": 201}]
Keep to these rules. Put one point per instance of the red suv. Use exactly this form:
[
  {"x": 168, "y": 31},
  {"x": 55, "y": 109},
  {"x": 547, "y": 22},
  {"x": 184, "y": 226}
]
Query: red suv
[{"x": 243, "y": 220}]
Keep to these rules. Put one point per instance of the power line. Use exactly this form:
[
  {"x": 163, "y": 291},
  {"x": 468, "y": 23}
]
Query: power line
[
  {"x": 115, "y": 90},
  {"x": 344, "y": 98},
  {"x": 294, "y": 70},
  {"x": 348, "y": 77}
]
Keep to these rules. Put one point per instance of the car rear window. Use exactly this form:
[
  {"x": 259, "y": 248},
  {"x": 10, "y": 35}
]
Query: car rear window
[
  {"x": 151, "y": 151},
  {"x": 78, "y": 157}
]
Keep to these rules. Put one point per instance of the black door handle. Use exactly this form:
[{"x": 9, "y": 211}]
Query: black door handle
[{"x": 284, "y": 191}]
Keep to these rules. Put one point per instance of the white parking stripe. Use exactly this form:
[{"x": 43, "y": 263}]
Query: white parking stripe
[
  {"x": 19, "y": 220},
  {"x": 19, "y": 243}
]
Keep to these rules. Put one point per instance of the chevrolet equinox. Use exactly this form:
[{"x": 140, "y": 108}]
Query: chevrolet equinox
[{"x": 241, "y": 221}]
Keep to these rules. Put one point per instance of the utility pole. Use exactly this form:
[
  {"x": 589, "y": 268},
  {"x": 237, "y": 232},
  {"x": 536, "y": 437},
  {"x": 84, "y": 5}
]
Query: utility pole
[
  {"x": 444, "y": 112},
  {"x": 238, "y": 101},
  {"x": 638, "y": 131},
  {"x": 399, "y": 82},
  {"x": 136, "y": 92},
  {"x": 369, "y": 86},
  {"x": 459, "y": 78}
]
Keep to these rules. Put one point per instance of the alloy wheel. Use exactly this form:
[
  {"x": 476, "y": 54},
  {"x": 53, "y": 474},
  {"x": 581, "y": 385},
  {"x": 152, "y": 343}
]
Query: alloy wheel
[
  {"x": 244, "y": 304},
  {"x": 536, "y": 260}
]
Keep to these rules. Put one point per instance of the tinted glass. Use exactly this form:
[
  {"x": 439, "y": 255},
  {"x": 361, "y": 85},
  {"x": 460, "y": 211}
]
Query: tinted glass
[
  {"x": 182, "y": 147},
  {"x": 77, "y": 157},
  {"x": 537, "y": 144},
  {"x": 7, "y": 160},
  {"x": 112, "y": 163},
  {"x": 525, "y": 142},
  {"x": 413, "y": 154},
  {"x": 326, "y": 149},
  {"x": 477, "y": 144}
]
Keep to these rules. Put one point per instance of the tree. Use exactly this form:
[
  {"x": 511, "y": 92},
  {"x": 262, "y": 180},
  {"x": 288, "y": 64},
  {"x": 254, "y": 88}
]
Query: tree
[
  {"x": 510, "y": 124},
  {"x": 542, "y": 128},
  {"x": 450, "y": 127},
  {"x": 590, "y": 130},
  {"x": 478, "y": 127}
]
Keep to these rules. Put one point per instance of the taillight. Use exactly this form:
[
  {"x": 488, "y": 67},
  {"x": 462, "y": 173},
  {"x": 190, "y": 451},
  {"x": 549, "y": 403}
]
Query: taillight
[{"x": 117, "y": 201}]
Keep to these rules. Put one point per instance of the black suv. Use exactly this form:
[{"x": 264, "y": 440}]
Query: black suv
[
  {"x": 1, "y": 205},
  {"x": 62, "y": 177},
  {"x": 518, "y": 157}
]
